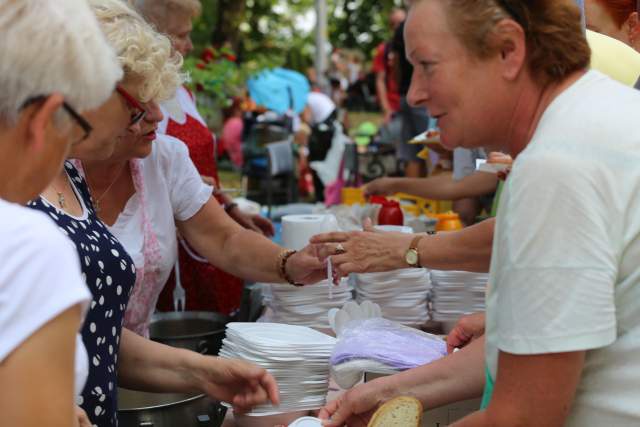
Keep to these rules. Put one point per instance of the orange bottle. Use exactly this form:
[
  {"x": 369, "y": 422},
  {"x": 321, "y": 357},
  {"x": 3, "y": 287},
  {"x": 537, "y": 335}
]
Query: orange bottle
[{"x": 449, "y": 221}]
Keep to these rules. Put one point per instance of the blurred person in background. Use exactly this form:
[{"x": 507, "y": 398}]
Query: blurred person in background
[
  {"x": 43, "y": 297},
  {"x": 232, "y": 130},
  {"x": 385, "y": 67}
]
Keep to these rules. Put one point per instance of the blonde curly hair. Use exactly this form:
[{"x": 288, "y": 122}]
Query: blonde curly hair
[{"x": 147, "y": 58}]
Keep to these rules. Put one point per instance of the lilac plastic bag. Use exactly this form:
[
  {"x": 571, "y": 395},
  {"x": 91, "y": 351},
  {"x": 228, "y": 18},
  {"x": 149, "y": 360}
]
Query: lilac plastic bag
[{"x": 387, "y": 342}]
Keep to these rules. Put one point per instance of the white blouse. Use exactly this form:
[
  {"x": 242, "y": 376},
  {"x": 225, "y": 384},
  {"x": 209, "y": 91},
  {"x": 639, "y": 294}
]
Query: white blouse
[{"x": 168, "y": 188}]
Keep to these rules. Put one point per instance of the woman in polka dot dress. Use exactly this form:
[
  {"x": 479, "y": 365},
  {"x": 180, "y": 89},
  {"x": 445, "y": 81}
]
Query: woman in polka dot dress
[{"x": 110, "y": 274}]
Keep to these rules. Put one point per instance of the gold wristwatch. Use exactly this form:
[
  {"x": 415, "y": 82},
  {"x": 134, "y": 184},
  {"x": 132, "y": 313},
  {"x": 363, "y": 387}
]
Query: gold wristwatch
[{"x": 412, "y": 257}]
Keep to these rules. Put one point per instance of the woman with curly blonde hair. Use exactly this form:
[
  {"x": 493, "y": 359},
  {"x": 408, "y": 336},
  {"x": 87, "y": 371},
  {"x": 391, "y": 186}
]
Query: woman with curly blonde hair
[{"x": 118, "y": 356}]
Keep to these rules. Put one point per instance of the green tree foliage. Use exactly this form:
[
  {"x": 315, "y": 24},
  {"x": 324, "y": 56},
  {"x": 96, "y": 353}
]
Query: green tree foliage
[
  {"x": 259, "y": 29},
  {"x": 360, "y": 24}
]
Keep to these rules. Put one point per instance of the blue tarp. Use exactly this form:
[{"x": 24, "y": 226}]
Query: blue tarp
[{"x": 272, "y": 89}]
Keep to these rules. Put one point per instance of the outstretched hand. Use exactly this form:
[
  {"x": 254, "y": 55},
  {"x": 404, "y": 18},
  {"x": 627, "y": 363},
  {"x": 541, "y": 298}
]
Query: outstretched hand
[
  {"x": 242, "y": 384},
  {"x": 366, "y": 251}
]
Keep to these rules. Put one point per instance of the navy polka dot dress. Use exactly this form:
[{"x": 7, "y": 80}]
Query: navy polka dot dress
[{"x": 110, "y": 274}]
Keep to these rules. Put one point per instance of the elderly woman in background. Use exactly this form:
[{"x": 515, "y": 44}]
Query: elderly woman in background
[
  {"x": 43, "y": 92},
  {"x": 207, "y": 287},
  {"x": 107, "y": 268},
  {"x": 562, "y": 325}
]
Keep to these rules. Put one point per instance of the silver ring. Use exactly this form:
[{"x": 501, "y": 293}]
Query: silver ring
[{"x": 340, "y": 249}]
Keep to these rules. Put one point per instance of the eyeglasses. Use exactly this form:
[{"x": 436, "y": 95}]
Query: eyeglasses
[
  {"x": 134, "y": 104},
  {"x": 80, "y": 121}
]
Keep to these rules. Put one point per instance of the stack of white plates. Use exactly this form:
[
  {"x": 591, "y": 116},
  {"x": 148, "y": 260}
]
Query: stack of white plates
[
  {"x": 297, "y": 356},
  {"x": 456, "y": 293},
  {"x": 401, "y": 294},
  {"x": 307, "y": 305}
]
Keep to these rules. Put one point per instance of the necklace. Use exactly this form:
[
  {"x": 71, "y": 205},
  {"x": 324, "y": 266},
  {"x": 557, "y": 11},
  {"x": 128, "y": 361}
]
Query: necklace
[
  {"x": 96, "y": 200},
  {"x": 62, "y": 201}
]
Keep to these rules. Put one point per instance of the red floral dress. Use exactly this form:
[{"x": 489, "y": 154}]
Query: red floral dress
[{"x": 207, "y": 287}]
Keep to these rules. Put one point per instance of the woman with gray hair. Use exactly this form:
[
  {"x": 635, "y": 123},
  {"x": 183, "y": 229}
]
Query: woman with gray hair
[{"x": 44, "y": 91}]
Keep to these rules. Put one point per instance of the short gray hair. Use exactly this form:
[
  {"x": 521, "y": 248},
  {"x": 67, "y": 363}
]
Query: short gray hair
[
  {"x": 157, "y": 11},
  {"x": 53, "y": 46}
]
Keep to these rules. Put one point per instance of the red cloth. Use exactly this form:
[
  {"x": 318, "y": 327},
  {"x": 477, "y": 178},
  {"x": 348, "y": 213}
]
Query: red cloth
[
  {"x": 207, "y": 287},
  {"x": 382, "y": 62}
]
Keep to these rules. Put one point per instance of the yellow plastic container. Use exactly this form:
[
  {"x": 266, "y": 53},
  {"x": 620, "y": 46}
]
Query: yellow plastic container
[{"x": 352, "y": 196}]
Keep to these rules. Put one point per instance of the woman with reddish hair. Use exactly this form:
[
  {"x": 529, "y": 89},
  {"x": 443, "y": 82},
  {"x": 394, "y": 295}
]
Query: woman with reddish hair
[{"x": 615, "y": 18}]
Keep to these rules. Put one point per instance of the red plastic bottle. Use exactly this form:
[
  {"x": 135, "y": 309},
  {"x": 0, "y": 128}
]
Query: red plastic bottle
[{"x": 390, "y": 213}]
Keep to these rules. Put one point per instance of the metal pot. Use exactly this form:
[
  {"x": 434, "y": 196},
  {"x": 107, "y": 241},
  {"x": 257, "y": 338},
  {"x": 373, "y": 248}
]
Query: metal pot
[
  {"x": 140, "y": 409},
  {"x": 199, "y": 331}
]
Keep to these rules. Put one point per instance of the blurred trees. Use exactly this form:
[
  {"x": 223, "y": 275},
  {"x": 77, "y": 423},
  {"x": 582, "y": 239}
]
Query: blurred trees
[{"x": 270, "y": 28}]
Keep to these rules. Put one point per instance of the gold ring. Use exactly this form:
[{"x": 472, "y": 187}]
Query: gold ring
[{"x": 340, "y": 249}]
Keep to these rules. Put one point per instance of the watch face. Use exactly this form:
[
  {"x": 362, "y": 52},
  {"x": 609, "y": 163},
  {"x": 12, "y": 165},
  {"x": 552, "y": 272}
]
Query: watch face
[{"x": 411, "y": 257}]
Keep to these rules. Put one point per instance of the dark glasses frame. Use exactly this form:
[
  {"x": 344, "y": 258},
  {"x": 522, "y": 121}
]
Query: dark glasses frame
[
  {"x": 134, "y": 104},
  {"x": 80, "y": 121}
]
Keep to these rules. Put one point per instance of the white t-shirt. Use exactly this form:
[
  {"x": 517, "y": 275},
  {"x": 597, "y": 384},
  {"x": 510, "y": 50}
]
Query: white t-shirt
[
  {"x": 321, "y": 107},
  {"x": 40, "y": 279},
  {"x": 173, "y": 191},
  {"x": 565, "y": 269}
]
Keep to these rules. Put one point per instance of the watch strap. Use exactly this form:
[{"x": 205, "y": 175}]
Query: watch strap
[{"x": 414, "y": 246}]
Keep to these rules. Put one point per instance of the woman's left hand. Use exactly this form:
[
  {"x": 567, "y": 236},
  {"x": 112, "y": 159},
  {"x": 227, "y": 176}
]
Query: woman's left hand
[
  {"x": 306, "y": 267},
  {"x": 242, "y": 384}
]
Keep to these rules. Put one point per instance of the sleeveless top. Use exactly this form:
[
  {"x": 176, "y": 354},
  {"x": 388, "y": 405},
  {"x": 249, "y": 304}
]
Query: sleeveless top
[{"x": 110, "y": 274}]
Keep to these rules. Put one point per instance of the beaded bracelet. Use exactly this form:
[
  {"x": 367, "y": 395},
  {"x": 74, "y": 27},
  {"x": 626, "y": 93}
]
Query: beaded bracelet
[{"x": 282, "y": 264}]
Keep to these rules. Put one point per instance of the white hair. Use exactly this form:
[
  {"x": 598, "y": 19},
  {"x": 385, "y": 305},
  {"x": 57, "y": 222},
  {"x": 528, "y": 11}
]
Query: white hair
[
  {"x": 157, "y": 11},
  {"x": 53, "y": 47},
  {"x": 146, "y": 56}
]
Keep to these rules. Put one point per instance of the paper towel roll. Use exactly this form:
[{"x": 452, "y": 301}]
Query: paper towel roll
[{"x": 298, "y": 229}]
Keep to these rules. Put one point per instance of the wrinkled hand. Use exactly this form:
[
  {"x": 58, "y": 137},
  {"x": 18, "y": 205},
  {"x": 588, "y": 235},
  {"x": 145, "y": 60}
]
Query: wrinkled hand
[
  {"x": 252, "y": 222},
  {"x": 467, "y": 329},
  {"x": 242, "y": 384},
  {"x": 497, "y": 157},
  {"x": 378, "y": 187},
  {"x": 355, "y": 407},
  {"x": 306, "y": 267},
  {"x": 82, "y": 418},
  {"x": 367, "y": 251}
]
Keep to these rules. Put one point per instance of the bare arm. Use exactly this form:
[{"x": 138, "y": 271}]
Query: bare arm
[
  {"x": 468, "y": 249},
  {"x": 225, "y": 244},
  {"x": 369, "y": 251},
  {"x": 531, "y": 391},
  {"x": 456, "y": 377},
  {"x": 38, "y": 377},
  {"x": 381, "y": 91},
  {"x": 150, "y": 366},
  {"x": 439, "y": 187}
]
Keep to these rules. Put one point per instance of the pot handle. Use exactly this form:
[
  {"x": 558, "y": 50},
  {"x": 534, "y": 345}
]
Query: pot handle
[{"x": 202, "y": 347}]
